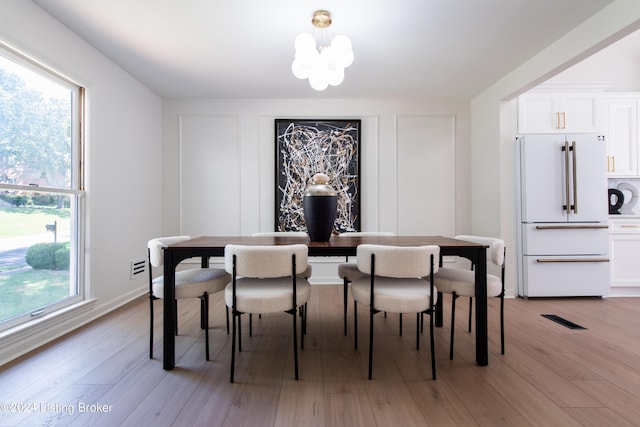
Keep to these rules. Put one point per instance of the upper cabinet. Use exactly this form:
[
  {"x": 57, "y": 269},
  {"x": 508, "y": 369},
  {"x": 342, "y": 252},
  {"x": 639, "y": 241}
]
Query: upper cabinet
[
  {"x": 621, "y": 130},
  {"x": 560, "y": 109},
  {"x": 558, "y": 113}
]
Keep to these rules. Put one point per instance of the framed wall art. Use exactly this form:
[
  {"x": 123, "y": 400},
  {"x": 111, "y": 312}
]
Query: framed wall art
[{"x": 307, "y": 147}]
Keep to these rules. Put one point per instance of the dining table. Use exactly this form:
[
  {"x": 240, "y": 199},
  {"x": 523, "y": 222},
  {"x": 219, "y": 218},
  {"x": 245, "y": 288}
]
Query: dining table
[{"x": 206, "y": 247}]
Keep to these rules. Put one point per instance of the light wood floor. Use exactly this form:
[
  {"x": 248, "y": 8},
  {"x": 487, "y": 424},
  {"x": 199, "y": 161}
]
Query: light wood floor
[{"x": 549, "y": 376}]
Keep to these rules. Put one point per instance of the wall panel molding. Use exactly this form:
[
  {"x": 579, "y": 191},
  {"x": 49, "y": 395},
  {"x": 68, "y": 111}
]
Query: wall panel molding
[{"x": 210, "y": 175}]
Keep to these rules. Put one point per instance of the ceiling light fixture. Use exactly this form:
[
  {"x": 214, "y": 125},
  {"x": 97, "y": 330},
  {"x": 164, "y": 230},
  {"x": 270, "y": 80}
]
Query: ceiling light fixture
[{"x": 318, "y": 57}]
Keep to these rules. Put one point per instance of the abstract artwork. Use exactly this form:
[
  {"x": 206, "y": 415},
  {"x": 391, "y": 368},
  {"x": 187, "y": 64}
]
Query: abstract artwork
[{"x": 307, "y": 147}]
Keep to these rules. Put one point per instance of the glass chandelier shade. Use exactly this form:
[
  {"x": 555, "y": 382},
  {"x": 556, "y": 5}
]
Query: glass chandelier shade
[{"x": 316, "y": 59}]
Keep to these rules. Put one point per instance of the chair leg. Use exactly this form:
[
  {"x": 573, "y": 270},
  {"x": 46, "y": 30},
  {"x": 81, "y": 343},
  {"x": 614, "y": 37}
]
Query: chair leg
[
  {"x": 306, "y": 308},
  {"x": 502, "y": 322},
  {"x": 400, "y": 322},
  {"x": 344, "y": 301},
  {"x": 302, "y": 332},
  {"x": 250, "y": 324},
  {"x": 175, "y": 312},
  {"x": 295, "y": 342},
  {"x": 371, "y": 313},
  {"x": 433, "y": 346},
  {"x": 418, "y": 315},
  {"x": 470, "y": 312},
  {"x": 355, "y": 324},
  {"x": 205, "y": 320},
  {"x": 201, "y": 311},
  {"x": 227, "y": 313},
  {"x": 453, "y": 323},
  {"x": 150, "y": 327},
  {"x": 233, "y": 347},
  {"x": 239, "y": 332}
]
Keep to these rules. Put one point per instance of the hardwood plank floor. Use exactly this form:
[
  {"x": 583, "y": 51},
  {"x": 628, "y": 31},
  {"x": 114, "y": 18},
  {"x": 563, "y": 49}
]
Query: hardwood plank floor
[{"x": 550, "y": 375}]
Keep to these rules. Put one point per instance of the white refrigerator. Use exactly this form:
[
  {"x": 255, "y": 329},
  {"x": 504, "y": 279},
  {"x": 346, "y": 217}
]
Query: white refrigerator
[{"x": 563, "y": 238}]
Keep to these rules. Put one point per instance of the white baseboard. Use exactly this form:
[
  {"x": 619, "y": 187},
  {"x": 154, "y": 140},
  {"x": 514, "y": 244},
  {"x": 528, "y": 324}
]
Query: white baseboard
[{"x": 627, "y": 291}]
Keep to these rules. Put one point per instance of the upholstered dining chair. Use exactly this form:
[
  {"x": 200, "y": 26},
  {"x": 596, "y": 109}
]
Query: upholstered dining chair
[
  {"x": 309, "y": 270},
  {"x": 349, "y": 271},
  {"x": 189, "y": 283},
  {"x": 398, "y": 279},
  {"x": 266, "y": 279},
  {"x": 306, "y": 274},
  {"x": 461, "y": 282}
]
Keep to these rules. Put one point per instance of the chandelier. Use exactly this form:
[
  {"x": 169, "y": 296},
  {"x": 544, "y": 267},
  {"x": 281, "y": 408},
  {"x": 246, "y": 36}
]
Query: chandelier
[{"x": 319, "y": 58}]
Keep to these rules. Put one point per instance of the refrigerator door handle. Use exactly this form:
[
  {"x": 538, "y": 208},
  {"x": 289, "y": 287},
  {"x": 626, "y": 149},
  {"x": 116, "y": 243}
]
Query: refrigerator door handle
[
  {"x": 550, "y": 260},
  {"x": 575, "y": 177},
  {"x": 570, "y": 227},
  {"x": 565, "y": 148}
]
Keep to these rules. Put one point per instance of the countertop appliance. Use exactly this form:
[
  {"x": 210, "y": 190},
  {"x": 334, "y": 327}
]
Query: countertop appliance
[
  {"x": 563, "y": 240},
  {"x": 616, "y": 200}
]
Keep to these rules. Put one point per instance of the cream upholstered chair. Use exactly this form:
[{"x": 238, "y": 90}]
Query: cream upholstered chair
[
  {"x": 266, "y": 279},
  {"x": 306, "y": 274},
  {"x": 190, "y": 283},
  {"x": 398, "y": 280},
  {"x": 461, "y": 282},
  {"x": 308, "y": 271},
  {"x": 349, "y": 271}
]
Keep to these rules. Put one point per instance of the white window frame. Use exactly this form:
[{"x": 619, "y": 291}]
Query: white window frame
[{"x": 76, "y": 192}]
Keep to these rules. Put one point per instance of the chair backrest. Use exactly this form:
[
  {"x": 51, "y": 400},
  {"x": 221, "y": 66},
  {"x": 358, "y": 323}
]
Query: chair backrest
[
  {"x": 367, "y": 233},
  {"x": 398, "y": 261},
  {"x": 267, "y": 261},
  {"x": 496, "y": 246},
  {"x": 281, "y": 234},
  {"x": 155, "y": 246}
]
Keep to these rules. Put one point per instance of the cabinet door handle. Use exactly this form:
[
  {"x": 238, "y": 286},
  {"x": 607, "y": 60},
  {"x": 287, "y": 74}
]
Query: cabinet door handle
[
  {"x": 558, "y": 120},
  {"x": 564, "y": 120},
  {"x": 630, "y": 226}
]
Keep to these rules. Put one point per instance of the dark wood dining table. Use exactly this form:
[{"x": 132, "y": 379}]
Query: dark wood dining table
[{"x": 213, "y": 246}]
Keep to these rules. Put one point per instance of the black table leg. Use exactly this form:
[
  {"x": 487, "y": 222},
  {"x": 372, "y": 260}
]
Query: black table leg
[
  {"x": 169, "y": 339},
  {"x": 482, "y": 342}
]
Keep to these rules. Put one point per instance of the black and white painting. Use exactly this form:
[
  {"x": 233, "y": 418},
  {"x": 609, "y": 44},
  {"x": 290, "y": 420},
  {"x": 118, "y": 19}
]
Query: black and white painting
[{"x": 307, "y": 147}]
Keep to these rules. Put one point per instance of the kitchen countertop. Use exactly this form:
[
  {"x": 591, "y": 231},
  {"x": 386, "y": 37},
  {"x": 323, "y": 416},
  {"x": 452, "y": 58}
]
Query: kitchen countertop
[{"x": 622, "y": 216}]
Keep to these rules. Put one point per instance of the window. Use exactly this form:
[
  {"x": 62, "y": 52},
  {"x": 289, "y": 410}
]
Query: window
[{"x": 41, "y": 188}]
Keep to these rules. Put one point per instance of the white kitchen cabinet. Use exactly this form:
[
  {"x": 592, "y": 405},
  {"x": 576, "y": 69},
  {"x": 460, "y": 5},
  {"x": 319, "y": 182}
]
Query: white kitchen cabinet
[
  {"x": 621, "y": 130},
  {"x": 559, "y": 112},
  {"x": 624, "y": 253}
]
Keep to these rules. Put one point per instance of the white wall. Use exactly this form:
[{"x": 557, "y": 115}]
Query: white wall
[
  {"x": 245, "y": 199},
  {"x": 219, "y": 165},
  {"x": 492, "y": 131},
  {"x": 123, "y": 165},
  {"x": 617, "y": 65}
]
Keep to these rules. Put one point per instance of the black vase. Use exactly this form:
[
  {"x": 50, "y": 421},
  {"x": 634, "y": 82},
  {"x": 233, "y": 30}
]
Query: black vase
[{"x": 320, "y": 204}]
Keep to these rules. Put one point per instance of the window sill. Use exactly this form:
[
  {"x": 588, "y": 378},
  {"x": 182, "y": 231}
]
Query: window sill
[{"x": 21, "y": 339}]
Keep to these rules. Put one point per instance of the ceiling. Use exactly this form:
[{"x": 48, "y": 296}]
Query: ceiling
[{"x": 437, "y": 49}]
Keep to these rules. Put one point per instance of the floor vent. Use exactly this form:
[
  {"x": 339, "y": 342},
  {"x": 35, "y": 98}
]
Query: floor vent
[
  {"x": 138, "y": 267},
  {"x": 564, "y": 322}
]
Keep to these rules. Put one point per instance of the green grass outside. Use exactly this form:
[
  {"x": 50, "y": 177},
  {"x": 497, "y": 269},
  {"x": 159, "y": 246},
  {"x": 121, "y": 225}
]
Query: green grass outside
[
  {"x": 15, "y": 222},
  {"x": 25, "y": 290}
]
